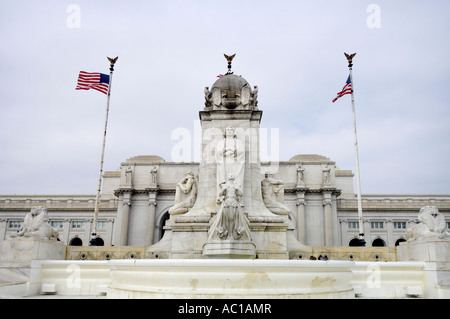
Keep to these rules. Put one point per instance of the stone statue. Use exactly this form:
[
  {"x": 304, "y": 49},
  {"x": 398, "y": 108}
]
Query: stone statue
[
  {"x": 128, "y": 176},
  {"x": 154, "y": 173},
  {"x": 431, "y": 225},
  {"x": 254, "y": 99},
  {"x": 35, "y": 225},
  {"x": 300, "y": 171},
  {"x": 185, "y": 195},
  {"x": 207, "y": 97},
  {"x": 326, "y": 175},
  {"x": 230, "y": 221},
  {"x": 273, "y": 194},
  {"x": 230, "y": 159}
]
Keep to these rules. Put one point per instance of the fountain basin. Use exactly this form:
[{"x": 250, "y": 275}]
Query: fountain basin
[{"x": 221, "y": 278}]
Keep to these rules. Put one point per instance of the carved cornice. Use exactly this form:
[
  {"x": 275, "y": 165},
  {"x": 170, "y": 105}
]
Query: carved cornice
[
  {"x": 166, "y": 191},
  {"x": 145, "y": 191},
  {"x": 210, "y": 115},
  {"x": 307, "y": 190},
  {"x": 122, "y": 191},
  {"x": 134, "y": 191},
  {"x": 192, "y": 219}
]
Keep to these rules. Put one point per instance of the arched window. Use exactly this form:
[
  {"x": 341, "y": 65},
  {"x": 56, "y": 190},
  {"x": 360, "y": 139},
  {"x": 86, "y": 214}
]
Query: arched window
[
  {"x": 99, "y": 242},
  {"x": 399, "y": 241},
  {"x": 162, "y": 223},
  {"x": 76, "y": 242},
  {"x": 378, "y": 243},
  {"x": 354, "y": 242}
]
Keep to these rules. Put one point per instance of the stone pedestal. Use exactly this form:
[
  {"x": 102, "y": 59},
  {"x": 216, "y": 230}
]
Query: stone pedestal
[
  {"x": 438, "y": 250},
  {"x": 436, "y": 255},
  {"x": 28, "y": 249},
  {"x": 230, "y": 249},
  {"x": 16, "y": 257},
  {"x": 229, "y": 218}
]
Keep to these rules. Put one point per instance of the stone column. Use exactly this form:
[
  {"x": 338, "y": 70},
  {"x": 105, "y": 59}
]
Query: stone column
[
  {"x": 121, "y": 238},
  {"x": 64, "y": 235},
  {"x": 314, "y": 220},
  {"x": 3, "y": 226},
  {"x": 151, "y": 217},
  {"x": 328, "y": 225},
  {"x": 301, "y": 230},
  {"x": 390, "y": 233},
  {"x": 336, "y": 238},
  {"x": 344, "y": 232},
  {"x": 124, "y": 223},
  {"x": 110, "y": 230},
  {"x": 367, "y": 229},
  {"x": 88, "y": 224}
]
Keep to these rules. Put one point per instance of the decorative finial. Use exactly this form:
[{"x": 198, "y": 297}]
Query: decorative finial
[
  {"x": 229, "y": 59},
  {"x": 349, "y": 58},
  {"x": 112, "y": 61}
]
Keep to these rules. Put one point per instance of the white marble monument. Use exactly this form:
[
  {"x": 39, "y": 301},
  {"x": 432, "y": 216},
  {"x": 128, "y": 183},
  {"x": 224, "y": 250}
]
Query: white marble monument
[
  {"x": 236, "y": 214},
  {"x": 35, "y": 240}
]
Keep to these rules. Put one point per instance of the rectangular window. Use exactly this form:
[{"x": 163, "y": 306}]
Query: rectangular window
[
  {"x": 101, "y": 224},
  {"x": 15, "y": 224},
  {"x": 353, "y": 225},
  {"x": 448, "y": 225},
  {"x": 77, "y": 224},
  {"x": 399, "y": 225},
  {"x": 376, "y": 225},
  {"x": 56, "y": 223}
]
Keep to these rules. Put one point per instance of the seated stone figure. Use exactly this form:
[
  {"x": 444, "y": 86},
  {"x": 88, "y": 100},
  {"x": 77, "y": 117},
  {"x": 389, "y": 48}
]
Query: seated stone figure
[
  {"x": 35, "y": 225},
  {"x": 185, "y": 195},
  {"x": 272, "y": 193},
  {"x": 431, "y": 226},
  {"x": 230, "y": 223}
]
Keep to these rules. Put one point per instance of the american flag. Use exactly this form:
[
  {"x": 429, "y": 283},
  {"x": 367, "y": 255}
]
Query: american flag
[
  {"x": 93, "y": 80},
  {"x": 347, "y": 89}
]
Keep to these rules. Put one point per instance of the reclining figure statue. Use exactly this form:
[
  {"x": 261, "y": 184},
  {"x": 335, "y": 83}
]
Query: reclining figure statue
[
  {"x": 35, "y": 225},
  {"x": 431, "y": 225}
]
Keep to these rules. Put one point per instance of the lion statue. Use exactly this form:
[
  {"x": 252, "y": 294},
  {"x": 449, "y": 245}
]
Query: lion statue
[
  {"x": 35, "y": 224},
  {"x": 431, "y": 225}
]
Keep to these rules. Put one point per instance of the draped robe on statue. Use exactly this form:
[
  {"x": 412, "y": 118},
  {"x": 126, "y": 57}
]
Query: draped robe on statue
[
  {"x": 230, "y": 221},
  {"x": 230, "y": 159}
]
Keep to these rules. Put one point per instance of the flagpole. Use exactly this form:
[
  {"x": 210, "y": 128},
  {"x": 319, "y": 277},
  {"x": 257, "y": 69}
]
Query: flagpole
[
  {"x": 93, "y": 241},
  {"x": 362, "y": 241}
]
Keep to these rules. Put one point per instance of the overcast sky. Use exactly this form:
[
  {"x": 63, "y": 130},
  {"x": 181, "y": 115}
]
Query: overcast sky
[{"x": 51, "y": 134}]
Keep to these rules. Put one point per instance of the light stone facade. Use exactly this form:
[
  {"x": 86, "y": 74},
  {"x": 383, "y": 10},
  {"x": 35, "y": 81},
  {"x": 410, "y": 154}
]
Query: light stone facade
[
  {"x": 317, "y": 202},
  {"x": 180, "y": 228},
  {"x": 323, "y": 214}
]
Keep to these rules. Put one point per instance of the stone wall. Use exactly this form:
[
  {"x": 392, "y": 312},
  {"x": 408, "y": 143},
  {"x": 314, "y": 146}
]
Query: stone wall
[{"x": 318, "y": 253}]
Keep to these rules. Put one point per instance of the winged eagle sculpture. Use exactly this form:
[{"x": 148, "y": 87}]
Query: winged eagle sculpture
[
  {"x": 112, "y": 61},
  {"x": 229, "y": 59},
  {"x": 349, "y": 58}
]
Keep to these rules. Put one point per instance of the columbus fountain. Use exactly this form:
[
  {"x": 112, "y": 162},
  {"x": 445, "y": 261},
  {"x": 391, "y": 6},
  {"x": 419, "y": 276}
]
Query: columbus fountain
[{"x": 229, "y": 234}]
